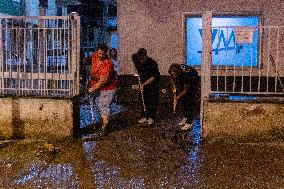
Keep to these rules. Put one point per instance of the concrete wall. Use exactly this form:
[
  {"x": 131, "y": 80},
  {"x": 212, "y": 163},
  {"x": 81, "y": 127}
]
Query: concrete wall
[
  {"x": 35, "y": 118},
  {"x": 242, "y": 120},
  {"x": 6, "y": 129},
  {"x": 157, "y": 25}
]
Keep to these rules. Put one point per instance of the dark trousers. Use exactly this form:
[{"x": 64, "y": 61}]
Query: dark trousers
[
  {"x": 151, "y": 98},
  {"x": 190, "y": 107}
]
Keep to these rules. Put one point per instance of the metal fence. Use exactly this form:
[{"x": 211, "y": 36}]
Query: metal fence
[
  {"x": 39, "y": 56},
  {"x": 251, "y": 61}
]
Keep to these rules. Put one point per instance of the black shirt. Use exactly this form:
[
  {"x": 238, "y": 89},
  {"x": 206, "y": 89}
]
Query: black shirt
[
  {"x": 188, "y": 77},
  {"x": 147, "y": 70}
]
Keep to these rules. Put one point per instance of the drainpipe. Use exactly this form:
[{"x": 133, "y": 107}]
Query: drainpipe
[
  {"x": 43, "y": 4},
  {"x": 22, "y": 7},
  {"x": 42, "y": 11},
  {"x": 28, "y": 7},
  {"x": 105, "y": 22}
]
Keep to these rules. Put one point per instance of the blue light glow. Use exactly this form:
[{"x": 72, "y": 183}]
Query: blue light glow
[
  {"x": 113, "y": 40},
  {"x": 112, "y": 22},
  {"x": 54, "y": 175},
  {"x": 242, "y": 98},
  {"x": 225, "y": 50}
]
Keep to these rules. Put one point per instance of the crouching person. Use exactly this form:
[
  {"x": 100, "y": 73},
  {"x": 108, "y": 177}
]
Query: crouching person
[
  {"x": 103, "y": 81},
  {"x": 184, "y": 80}
]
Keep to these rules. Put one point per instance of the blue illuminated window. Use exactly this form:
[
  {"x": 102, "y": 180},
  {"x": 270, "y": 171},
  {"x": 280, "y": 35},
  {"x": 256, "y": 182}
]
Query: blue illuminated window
[
  {"x": 112, "y": 22},
  {"x": 113, "y": 41},
  {"x": 225, "y": 50}
]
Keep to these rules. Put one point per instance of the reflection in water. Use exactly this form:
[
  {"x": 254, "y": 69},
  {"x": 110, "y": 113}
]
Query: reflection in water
[
  {"x": 86, "y": 117},
  {"x": 196, "y": 132},
  {"x": 242, "y": 98},
  {"x": 89, "y": 148},
  {"x": 89, "y": 113},
  {"x": 233, "y": 97},
  {"x": 54, "y": 176},
  {"x": 164, "y": 182},
  {"x": 194, "y": 154},
  {"x": 189, "y": 171},
  {"x": 108, "y": 176},
  {"x": 89, "y": 136},
  {"x": 182, "y": 172}
]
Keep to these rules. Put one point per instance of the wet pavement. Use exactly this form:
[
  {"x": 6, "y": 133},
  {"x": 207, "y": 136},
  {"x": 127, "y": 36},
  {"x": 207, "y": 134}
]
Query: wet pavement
[{"x": 140, "y": 156}]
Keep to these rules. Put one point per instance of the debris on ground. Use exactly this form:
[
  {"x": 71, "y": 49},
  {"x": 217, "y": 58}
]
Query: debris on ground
[{"x": 47, "y": 149}]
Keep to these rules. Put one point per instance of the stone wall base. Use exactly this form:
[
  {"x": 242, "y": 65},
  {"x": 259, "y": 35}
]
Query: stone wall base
[
  {"x": 243, "y": 120},
  {"x": 35, "y": 118}
]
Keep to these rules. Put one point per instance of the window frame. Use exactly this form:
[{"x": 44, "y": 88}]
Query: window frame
[{"x": 222, "y": 14}]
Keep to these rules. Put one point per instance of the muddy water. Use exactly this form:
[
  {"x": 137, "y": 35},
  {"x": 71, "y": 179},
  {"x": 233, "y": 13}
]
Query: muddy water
[{"x": 141, "y": 157}]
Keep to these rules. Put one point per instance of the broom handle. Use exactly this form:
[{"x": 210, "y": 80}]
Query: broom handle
[
  {"x": 175, "y": 96},
  {"x": 142, "y": 96},
  {"x": 175, "y": 103},
  {"x": 91, "y": 106}
]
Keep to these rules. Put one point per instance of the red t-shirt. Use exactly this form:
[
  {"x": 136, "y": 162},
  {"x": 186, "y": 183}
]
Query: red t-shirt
[{"x": 103, "y": 70}]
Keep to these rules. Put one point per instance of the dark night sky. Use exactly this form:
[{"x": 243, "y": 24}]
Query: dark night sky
[{"x": 92, "y": 10}]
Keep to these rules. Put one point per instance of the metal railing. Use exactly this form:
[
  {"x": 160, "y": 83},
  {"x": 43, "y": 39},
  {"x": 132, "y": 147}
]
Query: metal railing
[
  {"x": 39, "y": 56},
  {"x": 247, "y": 60}
]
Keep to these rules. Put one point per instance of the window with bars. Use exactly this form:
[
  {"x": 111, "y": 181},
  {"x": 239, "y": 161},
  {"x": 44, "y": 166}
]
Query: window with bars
[{"x": 226, "y": 51}]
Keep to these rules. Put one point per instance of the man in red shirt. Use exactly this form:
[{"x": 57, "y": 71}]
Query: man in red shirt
[{"x": 103, "y": 80}]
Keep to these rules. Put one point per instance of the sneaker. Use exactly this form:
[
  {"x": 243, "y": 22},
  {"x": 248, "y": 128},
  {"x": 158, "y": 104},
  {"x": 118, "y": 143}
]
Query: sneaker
[
  {"x": 186, "y": 127},
  {"x": 142, "y": 120},
  {"x": 150, "y": 121},
  {"x": 183, "y": 121}
]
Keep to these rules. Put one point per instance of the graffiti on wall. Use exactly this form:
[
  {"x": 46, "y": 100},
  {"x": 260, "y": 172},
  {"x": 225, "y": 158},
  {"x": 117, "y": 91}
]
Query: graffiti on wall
[{"x": 225, "y": 49}]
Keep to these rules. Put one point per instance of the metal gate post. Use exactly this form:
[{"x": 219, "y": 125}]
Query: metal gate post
[
  {"x": 75, "y": 35},
  {"x": 1, "y": 62},
  {"x": 206, "y": 60}
]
